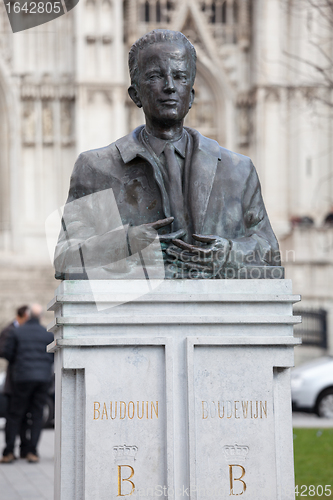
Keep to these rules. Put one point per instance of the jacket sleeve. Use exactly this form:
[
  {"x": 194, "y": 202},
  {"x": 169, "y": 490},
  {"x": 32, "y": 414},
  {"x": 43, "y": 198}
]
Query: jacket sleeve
[
  {"x": 9, "y": 351},
  {"x": 92, "y": 240},
  {"x": 3, "y": 338},
  {"x": 259, "y": 246}
]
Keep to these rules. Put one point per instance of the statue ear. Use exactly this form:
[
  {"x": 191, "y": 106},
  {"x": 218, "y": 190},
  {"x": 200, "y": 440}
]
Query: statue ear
[
  {"x": 192, "y": 97},
  {"x": 133, "y": 93}
]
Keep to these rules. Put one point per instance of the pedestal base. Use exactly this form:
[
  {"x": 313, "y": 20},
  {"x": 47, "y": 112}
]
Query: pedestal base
[{"x": 181, "y": 392}]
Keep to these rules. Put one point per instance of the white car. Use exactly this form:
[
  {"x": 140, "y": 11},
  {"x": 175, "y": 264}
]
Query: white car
[{"x": 312, "y": 387}]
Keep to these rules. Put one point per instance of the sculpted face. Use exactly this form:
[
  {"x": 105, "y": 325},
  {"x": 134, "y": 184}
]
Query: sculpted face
[{"x": 165, "y": 88}]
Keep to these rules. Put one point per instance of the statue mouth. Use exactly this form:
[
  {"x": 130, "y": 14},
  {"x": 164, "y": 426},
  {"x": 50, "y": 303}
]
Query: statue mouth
[{"x": 169, "y": 101}]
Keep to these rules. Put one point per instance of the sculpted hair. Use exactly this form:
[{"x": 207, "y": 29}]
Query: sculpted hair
[{"x": 158, "y": 36}]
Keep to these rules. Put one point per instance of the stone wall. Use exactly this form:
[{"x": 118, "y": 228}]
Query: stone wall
[{"x": 25, "y": 285}]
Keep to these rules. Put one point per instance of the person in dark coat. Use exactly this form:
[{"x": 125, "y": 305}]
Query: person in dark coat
[
  {"x": 22, "y": 315},
  {"x": 25, "y": 349}
]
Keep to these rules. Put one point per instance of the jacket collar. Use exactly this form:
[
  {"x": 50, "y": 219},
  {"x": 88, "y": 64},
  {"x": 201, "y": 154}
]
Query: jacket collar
[
  {"x": 32, "y": 320},
  {"x": 130, "y": 146}
]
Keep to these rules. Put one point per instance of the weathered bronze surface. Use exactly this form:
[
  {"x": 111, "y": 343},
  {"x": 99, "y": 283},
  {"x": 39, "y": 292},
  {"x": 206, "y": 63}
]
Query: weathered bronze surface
[{"x": 203, "y": 201}]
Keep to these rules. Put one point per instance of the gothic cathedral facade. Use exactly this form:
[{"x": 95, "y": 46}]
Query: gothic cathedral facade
[{"x": 63, "y": 90}]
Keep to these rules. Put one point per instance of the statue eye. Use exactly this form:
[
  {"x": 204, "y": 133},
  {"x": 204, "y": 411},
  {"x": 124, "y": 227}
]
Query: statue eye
[
  {"x": 180, "y": 76},
  {"x": 153, "y": 77}
]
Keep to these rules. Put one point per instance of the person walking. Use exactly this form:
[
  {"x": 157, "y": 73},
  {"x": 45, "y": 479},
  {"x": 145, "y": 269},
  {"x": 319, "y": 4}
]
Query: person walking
[
  {"x": 25, "y": 349},
  {"x": 22, "y": 315}
]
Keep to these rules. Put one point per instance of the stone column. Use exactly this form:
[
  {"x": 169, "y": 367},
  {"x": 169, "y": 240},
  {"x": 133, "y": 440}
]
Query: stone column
[{"x": 178, "y": 391}]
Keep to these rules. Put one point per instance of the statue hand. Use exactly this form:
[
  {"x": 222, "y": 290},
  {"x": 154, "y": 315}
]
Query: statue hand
[
  {"x": 200, "y": 260},
  {"x": 142, "y": 236},
  {"x": 166, "y": 239}
]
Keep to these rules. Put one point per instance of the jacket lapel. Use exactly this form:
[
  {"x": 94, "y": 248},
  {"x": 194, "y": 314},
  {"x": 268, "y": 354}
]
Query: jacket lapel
[
  {"x": 130, "y": 147},
  {"x": 205, "y": 156}
]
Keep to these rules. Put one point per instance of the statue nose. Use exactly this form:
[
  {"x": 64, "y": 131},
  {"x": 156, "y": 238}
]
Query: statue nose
[{"x": 169, "y": 84}]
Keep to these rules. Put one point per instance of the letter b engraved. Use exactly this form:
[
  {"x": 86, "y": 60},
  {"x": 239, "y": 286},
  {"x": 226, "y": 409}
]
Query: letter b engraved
[
  {"x": 234, "y": 479},
  {"x": 97, "y": 406},
  {"x": 128, "y": 479}
]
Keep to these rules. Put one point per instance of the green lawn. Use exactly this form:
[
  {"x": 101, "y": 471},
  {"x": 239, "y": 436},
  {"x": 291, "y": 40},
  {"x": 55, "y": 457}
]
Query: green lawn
[{"x": 313, "y": 451}]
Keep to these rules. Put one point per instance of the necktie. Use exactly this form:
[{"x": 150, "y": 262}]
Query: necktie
[{"x": 175, "y": 190}]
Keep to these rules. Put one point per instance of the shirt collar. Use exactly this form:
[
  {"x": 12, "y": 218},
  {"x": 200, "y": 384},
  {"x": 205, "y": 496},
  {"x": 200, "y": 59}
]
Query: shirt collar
[{"x": 158, "y": 145}]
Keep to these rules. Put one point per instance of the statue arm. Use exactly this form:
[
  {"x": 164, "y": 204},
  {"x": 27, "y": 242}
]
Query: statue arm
[
  {"x": 259, "y": 245},
  {"x": 88, "y": 238},
  {"x": 93, "y": 236},
  {"x": 256, "y": 247}
]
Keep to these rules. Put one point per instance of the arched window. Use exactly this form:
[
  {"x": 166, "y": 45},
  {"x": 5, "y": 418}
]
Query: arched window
[
  {"x": 222, "y": 15},
  {"x": 218, "y": 11},
  {"x": 158, "y": 11},
  {"x": 213, "y": 18},
  {"x": 235, "y": 11},
  {"x": 147, "y": 11},
  {"x": 224, "y": 12}
]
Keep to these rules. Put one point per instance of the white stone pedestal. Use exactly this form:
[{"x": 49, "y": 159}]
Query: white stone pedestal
[{"x": 182, "y": 392}]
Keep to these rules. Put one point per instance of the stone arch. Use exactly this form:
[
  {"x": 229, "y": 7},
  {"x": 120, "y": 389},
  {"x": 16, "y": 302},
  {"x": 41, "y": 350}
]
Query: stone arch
[{"x": 208, "y": 113}]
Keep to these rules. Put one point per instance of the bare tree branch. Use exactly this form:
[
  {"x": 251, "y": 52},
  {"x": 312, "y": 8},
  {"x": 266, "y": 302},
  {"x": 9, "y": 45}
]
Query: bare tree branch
[
  {"x": 311, "y": 64},
  {"x": 321, "y": 50},
  {"x": 318, "y": 16},
  {"x": 318, "y": 7}
]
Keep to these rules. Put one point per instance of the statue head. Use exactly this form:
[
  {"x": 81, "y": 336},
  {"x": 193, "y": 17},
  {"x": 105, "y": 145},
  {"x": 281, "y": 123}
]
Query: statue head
[
  {"x": 159, "y": 36},
  {"x": 162, "y": 67}
]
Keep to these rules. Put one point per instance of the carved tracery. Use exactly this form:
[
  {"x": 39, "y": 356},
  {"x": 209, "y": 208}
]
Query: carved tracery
[
  {"x": 226, "y": 20},
  {"x": 6, "y": 35},
  {"x": 156, "y": 11}
]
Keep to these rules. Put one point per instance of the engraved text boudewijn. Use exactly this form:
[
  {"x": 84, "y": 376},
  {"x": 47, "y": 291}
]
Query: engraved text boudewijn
[
  {"x": 122, "y": 410},
  {"x": 233, "y": 409}
]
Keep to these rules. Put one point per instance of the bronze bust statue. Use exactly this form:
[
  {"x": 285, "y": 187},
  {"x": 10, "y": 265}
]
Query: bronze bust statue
[{"x": 165, "y": 187}]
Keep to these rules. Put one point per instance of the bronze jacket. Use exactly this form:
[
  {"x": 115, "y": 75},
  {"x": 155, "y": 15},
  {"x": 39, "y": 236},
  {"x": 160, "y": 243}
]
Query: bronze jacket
[{"x": 119, "y": 185}]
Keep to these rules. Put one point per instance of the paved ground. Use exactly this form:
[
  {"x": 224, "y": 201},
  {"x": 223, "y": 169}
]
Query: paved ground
[
  {"x": 23, "y": 481},
  {"x": 310, "y": 420}
]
